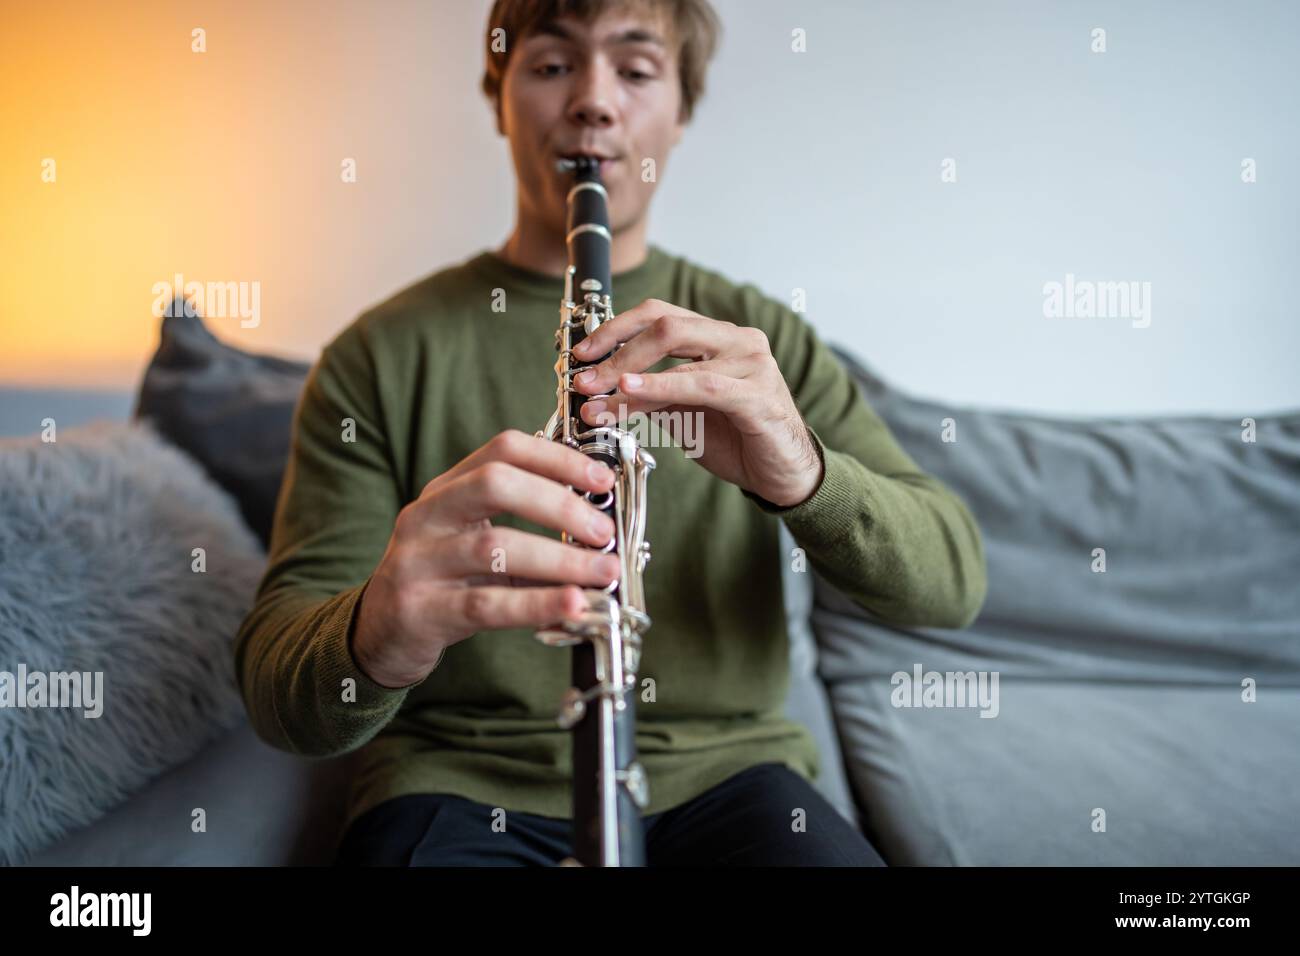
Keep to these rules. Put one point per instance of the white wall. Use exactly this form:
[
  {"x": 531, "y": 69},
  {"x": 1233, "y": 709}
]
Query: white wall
[
  {"x": 1123, "y": 165},
  {"x": 821, "y": 170}
]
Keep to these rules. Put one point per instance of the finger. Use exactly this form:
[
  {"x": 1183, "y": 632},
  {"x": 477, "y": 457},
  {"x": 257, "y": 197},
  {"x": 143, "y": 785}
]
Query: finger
[
  {"x": 510, "y": 580},
  {"x": 678, "y": 336},
  {"x": 541, "y": 456},
  {"x": 737, "y": 398},
  {"x": 498, "y": 488},
  {"x": 490, "y": 608},
  {"x": 625, "y": 325},
  {"x": 506, "y": 580},
  {"x": 623, "y": 402},
  {"x": 498, "y": 554}
]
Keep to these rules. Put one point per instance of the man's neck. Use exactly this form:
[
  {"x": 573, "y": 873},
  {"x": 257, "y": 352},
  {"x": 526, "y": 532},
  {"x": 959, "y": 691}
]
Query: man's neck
[{"x": 534, "y": 247}]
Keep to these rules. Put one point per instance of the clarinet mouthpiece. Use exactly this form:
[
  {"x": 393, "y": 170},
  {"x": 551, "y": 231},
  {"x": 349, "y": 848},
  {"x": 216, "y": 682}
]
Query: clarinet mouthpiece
[{"x": 575, "y": 164}]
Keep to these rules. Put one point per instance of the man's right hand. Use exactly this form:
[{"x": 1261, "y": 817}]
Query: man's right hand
[{"x": 435, "y": 585}]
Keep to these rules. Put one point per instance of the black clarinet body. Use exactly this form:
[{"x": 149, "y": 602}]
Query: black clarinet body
[{"x": 609, "y": 786}]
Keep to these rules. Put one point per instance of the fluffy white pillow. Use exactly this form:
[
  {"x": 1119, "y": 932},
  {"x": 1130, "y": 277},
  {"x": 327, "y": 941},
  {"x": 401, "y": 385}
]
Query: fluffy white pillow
[{"x": 100, "y": 579}]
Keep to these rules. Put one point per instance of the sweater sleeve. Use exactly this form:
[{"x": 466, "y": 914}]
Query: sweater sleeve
[
  {"x": 337, "y": 505},
  {"x": 894, "y": 539}
]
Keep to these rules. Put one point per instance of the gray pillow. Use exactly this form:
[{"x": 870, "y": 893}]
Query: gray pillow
[
  {"x": 98, "y": 576},
  {"x": 1201, "y": 533},
  {"x": 231, "y": 410},
  {"x": 1119, "y": 690}
]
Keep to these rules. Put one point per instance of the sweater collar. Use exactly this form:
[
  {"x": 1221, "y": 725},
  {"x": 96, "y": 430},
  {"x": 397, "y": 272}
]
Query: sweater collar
[{"x": 630, "y": 286}]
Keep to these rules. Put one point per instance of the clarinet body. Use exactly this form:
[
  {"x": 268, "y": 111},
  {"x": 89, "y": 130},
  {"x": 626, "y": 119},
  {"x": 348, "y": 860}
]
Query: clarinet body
[{"x": 609, "y": 786}]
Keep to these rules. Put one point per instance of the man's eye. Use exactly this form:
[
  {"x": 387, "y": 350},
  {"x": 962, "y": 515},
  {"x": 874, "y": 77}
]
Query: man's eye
[{"x": 556, "y": 69}]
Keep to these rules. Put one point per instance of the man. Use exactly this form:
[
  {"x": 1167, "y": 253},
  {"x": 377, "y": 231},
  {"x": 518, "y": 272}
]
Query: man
[{"x": 385, "y": 622}]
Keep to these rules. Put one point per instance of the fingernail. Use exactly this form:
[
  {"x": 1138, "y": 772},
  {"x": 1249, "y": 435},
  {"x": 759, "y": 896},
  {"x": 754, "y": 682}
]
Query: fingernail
[
  {"x": 631, "y": 381},
  {"x": 581, "y": 347},
  {"x": 594, "y": 408},
  {"x": 582, "y": 378},
  {"x": 610, "y": 567},
  {"x": 573, "y": 606},
  {"x": 602, "y": 527},
  {"x": 597, "y": 471}
]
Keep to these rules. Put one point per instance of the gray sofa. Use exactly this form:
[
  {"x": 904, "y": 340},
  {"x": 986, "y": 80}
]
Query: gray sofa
[{"x": 1121, "y": 735}]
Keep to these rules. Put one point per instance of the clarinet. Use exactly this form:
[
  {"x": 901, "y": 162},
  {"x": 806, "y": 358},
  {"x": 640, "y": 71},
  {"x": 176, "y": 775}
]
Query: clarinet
[{"x": 609, "y": 786}]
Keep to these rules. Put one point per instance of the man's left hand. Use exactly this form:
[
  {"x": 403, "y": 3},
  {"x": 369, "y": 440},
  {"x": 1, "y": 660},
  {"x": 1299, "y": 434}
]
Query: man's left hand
[{"x": 753, "y": 435}]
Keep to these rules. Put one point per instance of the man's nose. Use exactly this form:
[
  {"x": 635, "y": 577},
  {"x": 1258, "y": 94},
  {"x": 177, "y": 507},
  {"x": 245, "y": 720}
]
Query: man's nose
[{"x": 593, "y": 96}]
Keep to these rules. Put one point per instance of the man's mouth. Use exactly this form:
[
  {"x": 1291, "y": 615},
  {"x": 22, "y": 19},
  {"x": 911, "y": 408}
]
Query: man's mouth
[{"x": 565, "y": 160}]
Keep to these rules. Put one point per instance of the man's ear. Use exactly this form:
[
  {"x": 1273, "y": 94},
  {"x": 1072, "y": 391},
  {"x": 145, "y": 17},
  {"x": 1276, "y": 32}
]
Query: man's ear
[
  {"x": 682, "y": 120},
  {"x": 496, "y": 111}
]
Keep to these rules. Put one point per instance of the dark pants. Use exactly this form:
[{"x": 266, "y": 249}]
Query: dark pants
[{"x": 747, "y": 820}]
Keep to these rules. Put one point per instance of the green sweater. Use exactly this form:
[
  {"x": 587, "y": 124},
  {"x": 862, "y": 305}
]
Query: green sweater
[{"x": 431, "y": 374}]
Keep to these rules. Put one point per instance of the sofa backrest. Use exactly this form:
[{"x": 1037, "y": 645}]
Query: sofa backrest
[{"x": 1196, "y": 519}]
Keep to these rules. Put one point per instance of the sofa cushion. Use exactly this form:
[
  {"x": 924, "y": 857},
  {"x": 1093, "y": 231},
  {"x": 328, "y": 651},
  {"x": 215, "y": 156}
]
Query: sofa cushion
[
  {"x": 807, "y": 702},
  {"x": 1119, "y": 689},
  {"x": 264, "y": 807},
  {"x": 231, "y": 410},
  {"x": 99, "y": 576}
]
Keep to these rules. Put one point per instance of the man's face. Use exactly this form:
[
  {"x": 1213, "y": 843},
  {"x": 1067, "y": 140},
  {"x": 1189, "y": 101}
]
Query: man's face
[{"x": 609, "y": 88}]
